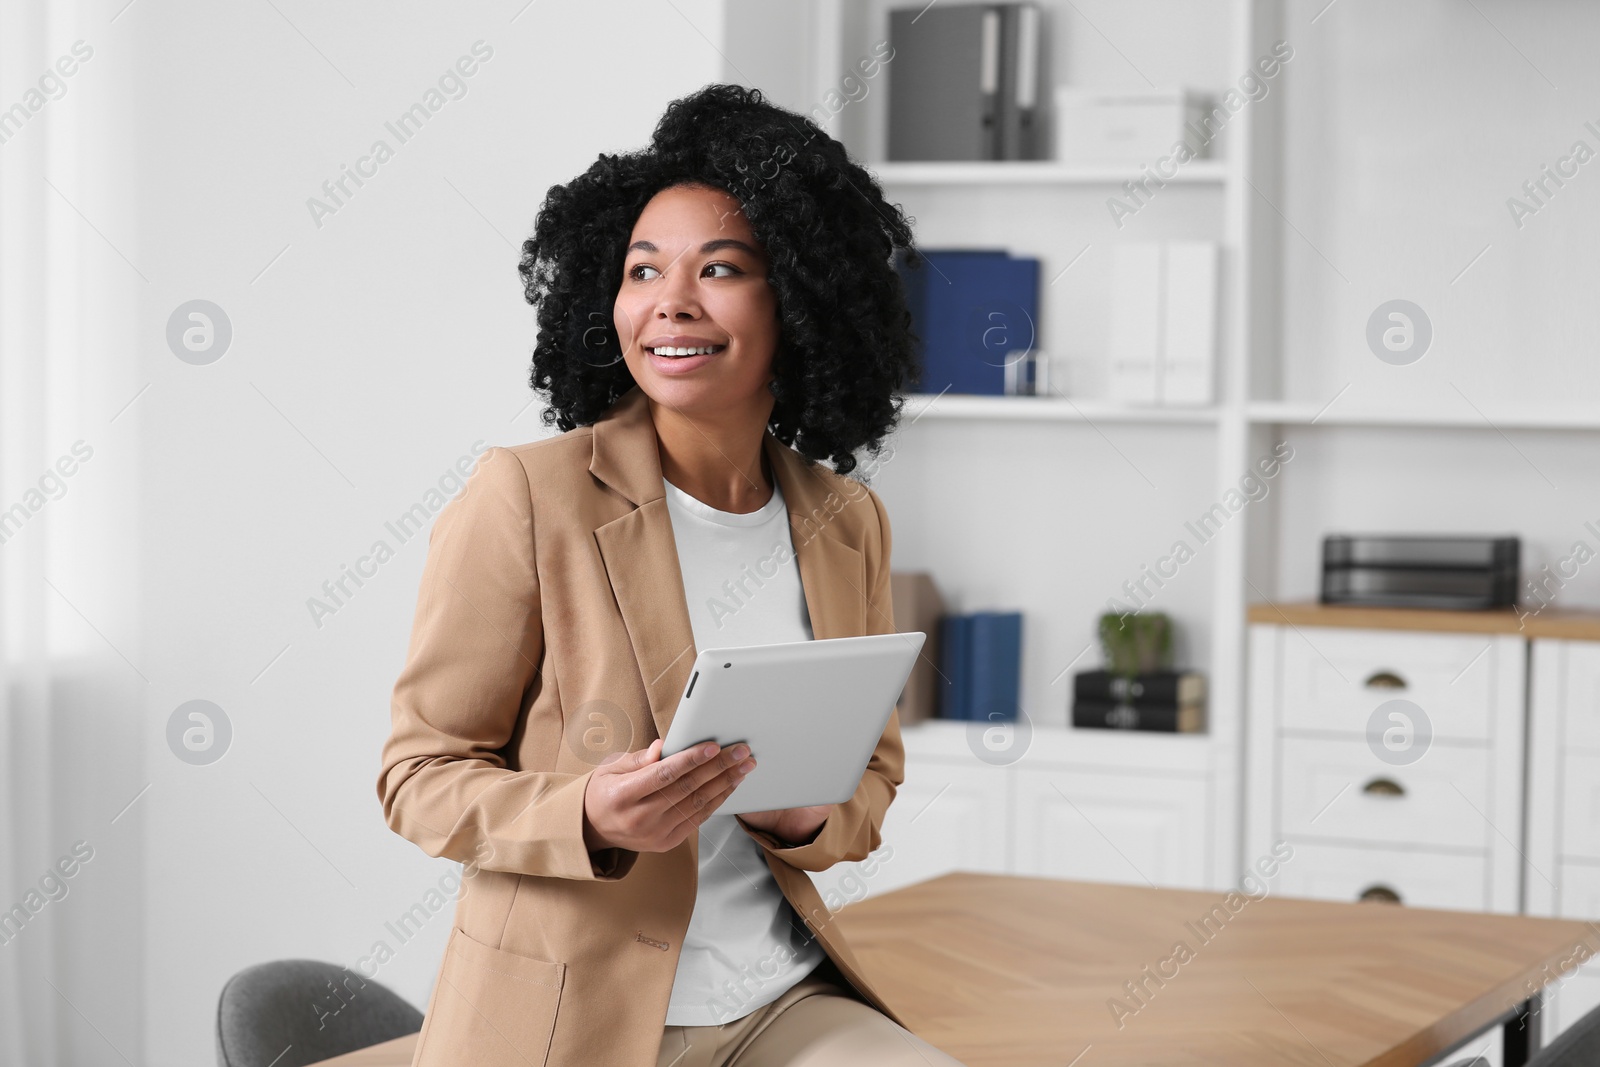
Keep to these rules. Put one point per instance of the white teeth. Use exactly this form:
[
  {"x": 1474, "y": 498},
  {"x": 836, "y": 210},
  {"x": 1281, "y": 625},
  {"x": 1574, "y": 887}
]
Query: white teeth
[{"x": 684, "y": 351}]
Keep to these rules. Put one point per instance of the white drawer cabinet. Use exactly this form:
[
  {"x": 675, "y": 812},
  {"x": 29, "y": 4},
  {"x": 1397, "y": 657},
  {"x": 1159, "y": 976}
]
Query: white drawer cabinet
[
  {"x": 1089, "y": 805},
  {"x": 1391, "y": 760},
  {"x": 1579, "y": 772},
  {"x": 1563, "y": 848},
  {"x": 1563, "y": 789},
  {"x": 1579, "y": 700}
]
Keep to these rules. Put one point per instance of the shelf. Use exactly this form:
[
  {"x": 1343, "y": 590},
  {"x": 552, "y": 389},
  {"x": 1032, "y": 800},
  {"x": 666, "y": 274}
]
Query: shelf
[
  {"x": 1056, "y": 408},
  {"x": 1573, "y": 624},
  {"x": 1289, "y": 413},
  {"x": 1040, "y": 172},
  {"x": 1063, "y": 747}
]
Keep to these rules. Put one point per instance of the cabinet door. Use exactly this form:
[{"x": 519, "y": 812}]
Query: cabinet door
[
  {"x": 1568, "y": 999},
  {"x": 948, "y": 815},
  {"x": 1577, "y": 993},
  {"x": 1583, "y": 695},
  {"x": 1107, "y": 827}
]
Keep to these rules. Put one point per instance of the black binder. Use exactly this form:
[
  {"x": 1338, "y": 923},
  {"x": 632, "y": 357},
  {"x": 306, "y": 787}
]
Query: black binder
[
  {"x": 1019, "y": 81},
  {"x": 944, "y": 83}
]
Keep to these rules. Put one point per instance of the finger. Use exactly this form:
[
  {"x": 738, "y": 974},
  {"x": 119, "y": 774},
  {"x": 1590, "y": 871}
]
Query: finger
[
  {"x": 699, "y": 802},
  {"x": 685, "y": 772},
  {"x": 690, "y": 816},
  {"x": 714, "y": 774},
  {"x": 627, "y": 762},
  {"x": 654, "y": 775}
]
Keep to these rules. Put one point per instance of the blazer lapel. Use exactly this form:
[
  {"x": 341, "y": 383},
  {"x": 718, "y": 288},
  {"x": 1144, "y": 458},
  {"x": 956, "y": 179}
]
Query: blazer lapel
[{"x": 641, "y": 557}]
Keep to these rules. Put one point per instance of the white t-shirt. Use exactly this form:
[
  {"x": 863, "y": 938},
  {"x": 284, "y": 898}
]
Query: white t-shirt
[{"x": 745, "y": 945}]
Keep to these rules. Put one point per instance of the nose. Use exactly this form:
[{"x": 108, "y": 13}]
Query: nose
[{"x": 678, "y": 298}]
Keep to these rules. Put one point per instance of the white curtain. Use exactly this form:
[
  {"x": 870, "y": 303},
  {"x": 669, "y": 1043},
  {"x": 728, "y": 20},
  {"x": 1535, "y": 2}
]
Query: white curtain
[{"x": 72, "y": 698}]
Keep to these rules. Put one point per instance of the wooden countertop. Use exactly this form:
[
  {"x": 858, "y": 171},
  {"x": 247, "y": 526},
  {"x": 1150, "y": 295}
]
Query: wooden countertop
[
  {"x": 1551, "y": 622},
  {"x": 1005, "y": 971}
]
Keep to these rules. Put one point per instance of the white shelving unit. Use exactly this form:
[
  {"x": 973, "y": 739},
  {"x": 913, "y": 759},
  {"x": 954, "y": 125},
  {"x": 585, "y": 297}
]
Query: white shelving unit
[
  {"x": 1226, "y": 429},
  {"x": 1063, "y": 408},
  {"x": 1037, "y": 172},
  {"x": 1495, "y": 418},
  {"x": 1085, "y": 459}
]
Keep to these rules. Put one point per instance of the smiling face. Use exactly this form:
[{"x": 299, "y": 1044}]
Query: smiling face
[{"x": 696, "y": 316}]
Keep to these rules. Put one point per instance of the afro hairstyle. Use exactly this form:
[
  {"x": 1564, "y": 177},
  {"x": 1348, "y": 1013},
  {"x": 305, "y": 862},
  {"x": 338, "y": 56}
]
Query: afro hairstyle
[{"x": 845, "y": 349}]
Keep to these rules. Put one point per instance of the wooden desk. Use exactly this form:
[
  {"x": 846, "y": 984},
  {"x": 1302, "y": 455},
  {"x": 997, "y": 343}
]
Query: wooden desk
[{"x": 1003, "y": 971}]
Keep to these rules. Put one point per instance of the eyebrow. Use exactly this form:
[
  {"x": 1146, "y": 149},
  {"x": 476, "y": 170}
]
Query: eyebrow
[{"x": 708, "y": 247}]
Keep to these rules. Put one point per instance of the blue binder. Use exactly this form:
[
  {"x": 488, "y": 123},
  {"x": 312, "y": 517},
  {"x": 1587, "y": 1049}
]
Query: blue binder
[
  {"x": 955, "y": 633},
  {"x": 996, "y": 666},
  {"x": 973, "y": 311}
]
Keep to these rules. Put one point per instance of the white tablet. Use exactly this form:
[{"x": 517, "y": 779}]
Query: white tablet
[{"x": 812, "y": 713}]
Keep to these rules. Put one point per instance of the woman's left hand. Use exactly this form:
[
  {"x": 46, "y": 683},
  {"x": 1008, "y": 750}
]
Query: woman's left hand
[{"x": 794, "y": 825}]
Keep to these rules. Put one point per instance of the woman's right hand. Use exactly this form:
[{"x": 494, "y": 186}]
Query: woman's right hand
[{"x": 641, "y": 802}]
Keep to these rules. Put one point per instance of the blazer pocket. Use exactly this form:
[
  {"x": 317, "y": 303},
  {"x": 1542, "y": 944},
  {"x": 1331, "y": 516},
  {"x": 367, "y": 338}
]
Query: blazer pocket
[{"x": 490, "y": 1008}]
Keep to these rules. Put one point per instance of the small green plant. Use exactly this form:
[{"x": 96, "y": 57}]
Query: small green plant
[{"x": 1136, "y": 643}]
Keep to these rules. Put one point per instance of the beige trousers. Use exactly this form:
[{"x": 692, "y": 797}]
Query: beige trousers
[{"x": 818, "y": 1022}]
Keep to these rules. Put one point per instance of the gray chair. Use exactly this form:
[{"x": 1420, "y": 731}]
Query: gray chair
[
  {"x": 1578, "y": 1046},
  {"x": 289, "y": 1013}
]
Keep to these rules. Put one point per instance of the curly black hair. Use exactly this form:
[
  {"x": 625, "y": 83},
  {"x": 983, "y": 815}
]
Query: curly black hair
[{"x": 845, "y": 348}]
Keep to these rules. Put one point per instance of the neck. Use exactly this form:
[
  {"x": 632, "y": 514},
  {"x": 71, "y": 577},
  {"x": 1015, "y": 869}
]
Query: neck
[{"x": 719, "y": 459}]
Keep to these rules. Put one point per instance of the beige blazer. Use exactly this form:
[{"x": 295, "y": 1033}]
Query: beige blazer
[{"x": 551, "y": 629}]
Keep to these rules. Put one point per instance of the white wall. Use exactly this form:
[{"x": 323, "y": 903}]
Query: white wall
[
  {"x": 368, "y": 355},
  {"x": 1408, "y": 127}
]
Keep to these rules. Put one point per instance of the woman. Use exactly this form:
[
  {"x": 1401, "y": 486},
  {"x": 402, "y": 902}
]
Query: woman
[{"x": 703, "y": 305}]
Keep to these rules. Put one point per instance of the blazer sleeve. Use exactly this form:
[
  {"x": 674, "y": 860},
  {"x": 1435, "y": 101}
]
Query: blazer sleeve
[
  {"x": 854, "y": 829},
  {"x": 474, "y": 654}
]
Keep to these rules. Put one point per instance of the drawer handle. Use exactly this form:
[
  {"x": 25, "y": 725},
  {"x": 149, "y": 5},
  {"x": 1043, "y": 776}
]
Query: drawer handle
[
  {"x": 1384, "y": 680},
  {"x": 1384, "y": 787},
  {"x": 1381, "y": 894}
]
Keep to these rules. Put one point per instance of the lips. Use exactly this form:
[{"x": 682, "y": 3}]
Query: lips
[
  {"x": 680, "y": 365},
  {"x": 683, "y": 351}
]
